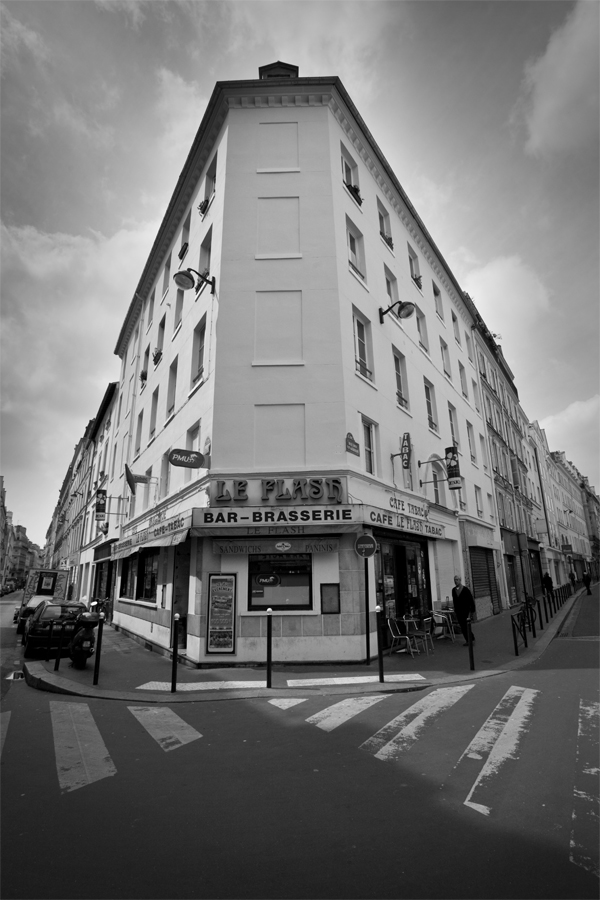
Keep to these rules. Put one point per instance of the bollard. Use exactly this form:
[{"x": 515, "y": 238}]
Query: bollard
[
  {"x": 470, "y": 642},
  {"x": 514, "y": 634},
  {"x": 98, "y": 648},
  {"x": 539, "y": 609},
  {"x": 49, "y": 644},
  {"x": 269, "y": 644},
  {"x": 379, "y": 647},
  {"x": 59, "y": 651},
  {"x": 175, "y": 645}
]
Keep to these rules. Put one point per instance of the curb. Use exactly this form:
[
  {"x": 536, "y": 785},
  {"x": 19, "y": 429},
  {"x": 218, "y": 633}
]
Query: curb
[{"x": 38, "y": 677}]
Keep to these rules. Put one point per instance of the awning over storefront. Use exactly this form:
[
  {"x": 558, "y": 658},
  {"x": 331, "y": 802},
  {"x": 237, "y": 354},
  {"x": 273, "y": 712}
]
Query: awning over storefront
[
  {"x": 104, "y": 550},
  {"x": 166, "y": 540},
  {"x": 159, "y": 532}
]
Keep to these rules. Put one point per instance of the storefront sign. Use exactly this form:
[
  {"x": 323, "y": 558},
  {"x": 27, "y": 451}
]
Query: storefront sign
[
  {"x": 352, "y": 446},
  {"x": 406, "y": 504},
  {"x": 189, "y": 459},
  {"x": 168, "y": 530},
  {"x": 294, "y": 545},
  {"x": 453, "y": 469},
  {"x": 278, "y": 490},
  {"x": 405, "y": 450},
  {"x": 100, "y": 505},
  {"x": 220, "y": 634},
  {"x": 264, "y": 515},
  {"x": 383, "y": 519}
]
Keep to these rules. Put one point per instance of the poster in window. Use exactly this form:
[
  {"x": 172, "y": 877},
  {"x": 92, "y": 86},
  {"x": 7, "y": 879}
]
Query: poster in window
[{"x": 220, "y": 633}]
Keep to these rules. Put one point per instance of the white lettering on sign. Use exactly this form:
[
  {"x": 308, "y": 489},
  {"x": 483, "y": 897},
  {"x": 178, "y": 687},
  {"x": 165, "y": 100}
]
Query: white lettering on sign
[
  {"x": 404, "y": 523},
  {"x": 274, "y": 515},
  {"x": 404, "y": 505}
]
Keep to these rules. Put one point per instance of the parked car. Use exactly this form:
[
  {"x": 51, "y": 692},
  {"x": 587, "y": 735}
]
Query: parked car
[
  {"x": 27, "y": 609},
  {"x": 64, "y": 616}
]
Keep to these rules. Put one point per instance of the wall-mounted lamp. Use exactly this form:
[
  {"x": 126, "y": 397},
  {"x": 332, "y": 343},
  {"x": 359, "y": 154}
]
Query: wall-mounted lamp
[
  {"x": 404, "y": 311},
  {"x": 185, "y": 280}
]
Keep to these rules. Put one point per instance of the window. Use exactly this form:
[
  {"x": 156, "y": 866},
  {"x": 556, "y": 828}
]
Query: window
[
  {"x": 280, "y": 581},
  {"x": 488, "y": 410},
  {"x": 147, "y": 487},
  {"x": 476, "y": 399},
  {"x": 153, "y": 412},
  {"x": 437, "y": 299},
  {"x": 350, "y": 175},
  {"x": 147, "y": 574},
  {"x": 198, "y": 352},
  {"x": 413, "y": 263},
  {"x": 160, "y": 341},
  {"x": 430, "y": 404},
  {"x": 482, "y": 369},
  {"x": 369, "y": 442},
  {"x": 445, "y": 358},
  {"x": 138, "y": 433},
  {"x": 204, "y": 264},
  {"x": 422, "y": 330},
  {"x": 209, "y": 186},
  {"x": 356, "y": 256},
  {"x": 178, "y": 310},
  {"x": 479, "y": 501},
  {"x": 391, "y": 287},
  {"x": 134, "y": 343},
  {"x": 362, "y": 352},
  {"x": 165, "y": 475},
  {"x": 172, "y": 388},
  {"x": 166, "y": 277},
  {"x": 150, "y": 310},
  {"x": 192, "y": 442},
  {"x": 400, "y": 370},
  {"x": 463, "y": 380},
  {"x": 469, "y": 347},
  {"x": 185, "y": 236},
  {"x": 128, "y": 571},
  {"x": 490, "y": 500},
  {"x": 483, "y": 452},
  {"x": 471, "y": 440},
  {"x": 145, "y": 364},
  {"x": 456, "y": 329},
  {"x": 453, "y": 425},
  {"x": 385, "y": 229},
  {"x": 114, "y": 461}
]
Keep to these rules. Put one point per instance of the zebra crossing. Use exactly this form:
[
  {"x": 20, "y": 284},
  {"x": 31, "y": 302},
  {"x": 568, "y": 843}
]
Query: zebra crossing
[{"x": 82, "y": 757}]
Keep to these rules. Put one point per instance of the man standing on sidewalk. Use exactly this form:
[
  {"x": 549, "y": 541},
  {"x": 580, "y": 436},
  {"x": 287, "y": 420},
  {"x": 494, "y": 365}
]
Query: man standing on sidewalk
[{"x": 464, "y": 606}]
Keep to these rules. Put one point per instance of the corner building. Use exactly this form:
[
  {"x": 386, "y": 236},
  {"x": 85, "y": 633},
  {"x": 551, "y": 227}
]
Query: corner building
[{"x": 319, "y": 413}]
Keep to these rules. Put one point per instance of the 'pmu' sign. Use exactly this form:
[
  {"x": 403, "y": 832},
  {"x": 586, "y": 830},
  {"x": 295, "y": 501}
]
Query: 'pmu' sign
[{"x": 189, "y": 459}]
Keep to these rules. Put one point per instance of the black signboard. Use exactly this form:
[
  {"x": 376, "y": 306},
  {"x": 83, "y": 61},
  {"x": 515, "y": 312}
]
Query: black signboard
[
  {"x": 453, "y": 468},
  {"x": 100, "y": 505},
  {"x": 405, "y": 450},
  {"x": 189, "y": 459}
]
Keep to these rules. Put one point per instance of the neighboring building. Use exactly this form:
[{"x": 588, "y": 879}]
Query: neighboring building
[
  {"x": 279, "y": 368},
  {"x": 5, "y": 526},
  {"x": 591, "y": 509},
  {"x": 572, "y": 526},
  {"x": 546, "y": 525}
]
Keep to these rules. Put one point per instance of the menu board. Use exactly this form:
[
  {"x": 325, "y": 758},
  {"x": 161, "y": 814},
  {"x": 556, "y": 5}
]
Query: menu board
[{"x": 220, "y": 633}]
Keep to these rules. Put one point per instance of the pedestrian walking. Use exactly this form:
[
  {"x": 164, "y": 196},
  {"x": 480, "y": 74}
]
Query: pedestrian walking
[
  {"x": 548, "y": 584},
  {"x": 572, "y": 578},
  {"x": 587, "y": 581},
  {"x": 464, "y": 607}
]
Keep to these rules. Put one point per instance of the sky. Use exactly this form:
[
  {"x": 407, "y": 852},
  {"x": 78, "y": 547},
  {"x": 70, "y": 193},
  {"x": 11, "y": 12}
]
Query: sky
[{"x": 486, "y": 111}]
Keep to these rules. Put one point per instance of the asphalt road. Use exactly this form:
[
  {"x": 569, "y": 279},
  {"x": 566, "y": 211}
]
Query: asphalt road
[{"x": 481, "y": 790}]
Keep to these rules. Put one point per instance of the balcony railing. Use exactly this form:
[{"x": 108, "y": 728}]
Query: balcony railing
[
  {"x": 402, "y": 401},
  {"x": 361, "y": 367},
  {"x": 432, "y": 424},
  {"x": 355, "y": 191}
]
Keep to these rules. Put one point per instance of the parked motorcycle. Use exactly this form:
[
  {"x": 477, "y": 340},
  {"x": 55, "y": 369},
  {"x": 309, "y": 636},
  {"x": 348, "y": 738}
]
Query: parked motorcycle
[{"x": 83, "y": 642}]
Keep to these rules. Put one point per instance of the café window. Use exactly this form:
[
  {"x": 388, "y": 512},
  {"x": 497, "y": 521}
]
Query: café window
[
  {"x": 147, "y": 574},
  {"x": 128, "y": 570},
  {"x": 279, "y": 581}
]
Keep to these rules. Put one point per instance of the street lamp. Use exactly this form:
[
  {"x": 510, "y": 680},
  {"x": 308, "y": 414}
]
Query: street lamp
[
  {"x": 404, "y": 311},
  {"x": 186, "y": 281}
]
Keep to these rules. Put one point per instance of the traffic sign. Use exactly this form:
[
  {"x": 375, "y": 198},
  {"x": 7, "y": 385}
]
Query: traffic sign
[{"x": 365, "y": 545}]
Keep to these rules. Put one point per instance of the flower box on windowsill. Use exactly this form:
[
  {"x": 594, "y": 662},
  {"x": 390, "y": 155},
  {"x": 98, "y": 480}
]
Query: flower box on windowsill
[
  {"x": 388, "y": 239},
  {"x": 418, "y": 280},
  {"x": 157, "y": 356},
  {"x": 355, "y": 191},
  {"x": 143, "y": 376}
]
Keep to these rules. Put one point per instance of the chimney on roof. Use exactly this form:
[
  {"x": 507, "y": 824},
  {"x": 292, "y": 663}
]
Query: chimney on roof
[{"x": 278, "y": 70}]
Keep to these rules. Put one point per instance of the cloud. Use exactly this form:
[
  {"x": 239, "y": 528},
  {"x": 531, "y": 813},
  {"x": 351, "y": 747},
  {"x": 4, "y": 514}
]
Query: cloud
[
  {"x": 15, "y": 37},
  {"x": 64, "y": 298},
  {"x": 576, "y": 430},
  {"x": 180, "y": 107},
  {"x": 133, "y": 10},
  {"x": 68, "y": 118},
  {"x": 509, "y": 294},
  {"x": 560, "y": 90}
]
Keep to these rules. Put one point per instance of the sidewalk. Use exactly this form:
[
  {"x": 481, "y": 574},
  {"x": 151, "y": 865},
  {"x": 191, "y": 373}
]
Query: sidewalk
[{"x": 130, "y": 672}]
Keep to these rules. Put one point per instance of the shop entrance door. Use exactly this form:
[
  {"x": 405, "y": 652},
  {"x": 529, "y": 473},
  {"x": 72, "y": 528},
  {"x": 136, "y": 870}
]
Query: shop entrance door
[
  {"x": 401, "y": 577},
  {"x": 181, "y": 586}
]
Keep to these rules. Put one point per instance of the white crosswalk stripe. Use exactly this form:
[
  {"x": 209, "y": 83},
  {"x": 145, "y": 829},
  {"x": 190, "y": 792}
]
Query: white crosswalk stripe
[
  {"x": 166, "y": 727},
  {"x": 387, "y": 745},
  {"x": 336, "y": 715},
  {"x": 287, "y": 702},
  {"x": 81, "y": 754},
  {"x": 500, "y": 737},
  {"x": 583, "y": 850}
]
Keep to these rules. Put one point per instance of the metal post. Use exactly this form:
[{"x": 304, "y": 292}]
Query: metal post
[
  {"x": 379, "y": 647},
  {"x": 49, "y": 644},
  {"x": 514, "y": 632},
  {"x": 98, "y": 648},
  {"x": 175, "y": 644},
  {"x": 59, "y": 651},
  {"x": 531, "y": 614},
  {"x": 470, "y": 643},
  {"x": 539, "y": 609},
  {"x": 269, "y": 644},
  {"x": 368, "y": 629}
]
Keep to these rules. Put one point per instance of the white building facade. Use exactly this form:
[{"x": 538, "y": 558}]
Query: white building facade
[{"x": 313, "y": 414}]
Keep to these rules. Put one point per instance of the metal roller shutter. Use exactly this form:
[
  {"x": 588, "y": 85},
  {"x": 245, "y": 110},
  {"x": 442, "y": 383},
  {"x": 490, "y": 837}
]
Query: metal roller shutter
[{"x": 484, "y": 575}]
